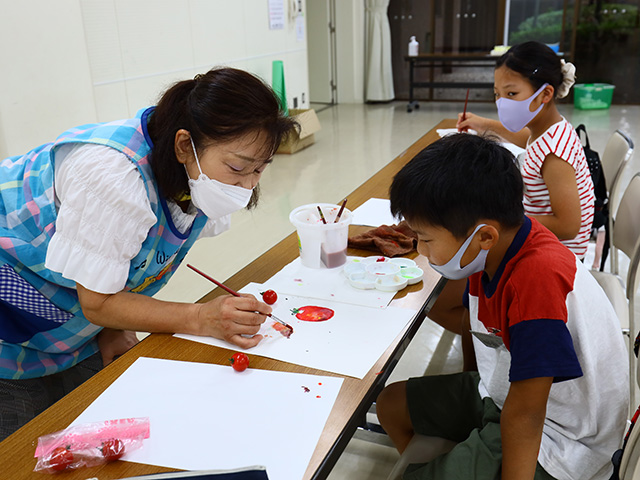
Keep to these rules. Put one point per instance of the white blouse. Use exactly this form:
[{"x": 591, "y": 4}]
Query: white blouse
[{"x": 104, "y": 216}]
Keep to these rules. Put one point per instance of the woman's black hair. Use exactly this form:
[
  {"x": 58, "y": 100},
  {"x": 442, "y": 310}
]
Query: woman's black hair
[
  {"x": 219, "y": 106},
  {"x": 536, "y": 62},
  {"x": 457, "y": 181}
]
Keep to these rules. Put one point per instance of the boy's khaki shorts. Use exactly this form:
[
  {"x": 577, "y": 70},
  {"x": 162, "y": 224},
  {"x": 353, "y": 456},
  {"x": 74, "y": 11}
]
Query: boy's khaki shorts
[{"x": 449, "y": 406}]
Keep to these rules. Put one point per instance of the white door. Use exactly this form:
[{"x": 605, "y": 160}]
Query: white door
[{"x": 321, "y": 51}]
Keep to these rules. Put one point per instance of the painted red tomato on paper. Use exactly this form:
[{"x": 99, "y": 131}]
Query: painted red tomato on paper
[{"x": 312, "y": 313}]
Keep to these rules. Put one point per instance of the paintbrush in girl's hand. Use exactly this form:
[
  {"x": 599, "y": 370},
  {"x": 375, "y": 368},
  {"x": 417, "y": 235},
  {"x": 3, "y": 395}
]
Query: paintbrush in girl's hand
[
  {"x": 466, "y": 101},
  {"x": 286, "y": 329},
  {"x": 464, "y": 112}
]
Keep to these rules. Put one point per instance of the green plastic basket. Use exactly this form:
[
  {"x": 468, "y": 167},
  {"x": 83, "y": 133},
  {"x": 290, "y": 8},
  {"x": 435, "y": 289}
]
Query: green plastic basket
[{"x": 592, "y": 96}]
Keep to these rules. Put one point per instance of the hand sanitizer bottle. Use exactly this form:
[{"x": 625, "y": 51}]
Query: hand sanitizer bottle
[{"x": 413, "y": 47}]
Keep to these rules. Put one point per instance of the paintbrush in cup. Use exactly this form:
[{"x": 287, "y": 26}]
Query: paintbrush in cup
[
  {"x": 286, "y": 329},
  {"x": 321, "y": 215},
  {"x": 344, "y": 202}
]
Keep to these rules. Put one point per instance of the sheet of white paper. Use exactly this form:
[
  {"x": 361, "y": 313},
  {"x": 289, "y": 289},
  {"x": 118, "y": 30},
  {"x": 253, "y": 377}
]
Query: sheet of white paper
[
  {"x": 513, "y": 148},
  {"x": 374, "y": 212},
  {"x": 325, "y": 284},
  {"x": 206, "y": 416},
  {"x": 443, "y": 132},
  {"x": 516, "y": 150},
  {"x": 349, "y": 343}
]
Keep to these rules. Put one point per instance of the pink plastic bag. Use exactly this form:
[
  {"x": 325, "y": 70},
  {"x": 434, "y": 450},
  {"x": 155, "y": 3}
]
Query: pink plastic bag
[{"x": 90, "y": 444}]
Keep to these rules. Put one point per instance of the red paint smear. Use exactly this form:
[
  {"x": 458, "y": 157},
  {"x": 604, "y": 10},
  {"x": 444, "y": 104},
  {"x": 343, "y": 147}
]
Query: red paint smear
[
  {"x": 319, "y": 383},
  {"x": 282, "y": 329},
  {"x": 312, "y": 313},
  {"x": 318, "y": 396}
]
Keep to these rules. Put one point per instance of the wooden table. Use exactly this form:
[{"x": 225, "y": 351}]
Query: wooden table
[
  {"x": 446, "y": 60},
  {"x": 354, "y": 399}
]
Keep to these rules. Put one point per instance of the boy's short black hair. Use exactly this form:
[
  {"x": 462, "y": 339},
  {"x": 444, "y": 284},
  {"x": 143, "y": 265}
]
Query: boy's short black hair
[{"x": 457, "y": 181}]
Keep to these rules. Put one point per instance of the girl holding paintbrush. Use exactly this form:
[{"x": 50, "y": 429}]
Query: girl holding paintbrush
[
  {"x": 95, "y": 223},
  {"x": 558, "y": 188}
]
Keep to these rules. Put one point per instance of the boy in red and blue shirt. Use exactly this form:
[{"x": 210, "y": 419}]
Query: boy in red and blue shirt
[{"x": 544, "y": 391}]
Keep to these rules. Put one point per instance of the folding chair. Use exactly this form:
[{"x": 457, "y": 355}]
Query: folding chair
[
  {"x": 628, "y": 460},
  {"x": 615, "y": 157},
  {"x": 626, "y": 237},
  {"x": 630, "y": 464}
]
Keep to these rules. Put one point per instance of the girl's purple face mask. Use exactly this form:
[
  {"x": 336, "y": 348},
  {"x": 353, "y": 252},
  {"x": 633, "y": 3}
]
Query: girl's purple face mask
[{"x": 515, "y": 114}]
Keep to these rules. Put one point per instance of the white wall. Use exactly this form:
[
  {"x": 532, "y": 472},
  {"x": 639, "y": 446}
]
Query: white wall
[
  {"x": 69, "y": 62},
  {"x": 45, "y": 85}
]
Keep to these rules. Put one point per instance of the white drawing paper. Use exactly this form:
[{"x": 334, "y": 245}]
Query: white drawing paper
[
  {"x": 374, "y": 212},
  {"x": 512, "y": 147},
  {"x": 443, "y": 132},
  {"x": 205, "y": 417},
  {"x": 325, "y": 284},
  {"x": 348, "y": 343}
]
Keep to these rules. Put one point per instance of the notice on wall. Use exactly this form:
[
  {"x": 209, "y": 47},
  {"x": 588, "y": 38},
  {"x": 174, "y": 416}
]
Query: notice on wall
[
  {"x": 276, "y": 14},
  {"x": 300, "y": 28}
]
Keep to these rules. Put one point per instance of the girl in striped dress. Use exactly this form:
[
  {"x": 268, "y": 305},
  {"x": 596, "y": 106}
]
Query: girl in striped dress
[
  {"x": 558, "y": 188},
  {"x": 558, "y": 191}
]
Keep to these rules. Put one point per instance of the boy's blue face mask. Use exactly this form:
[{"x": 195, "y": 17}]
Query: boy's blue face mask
[{"x": 452, "y": 269}]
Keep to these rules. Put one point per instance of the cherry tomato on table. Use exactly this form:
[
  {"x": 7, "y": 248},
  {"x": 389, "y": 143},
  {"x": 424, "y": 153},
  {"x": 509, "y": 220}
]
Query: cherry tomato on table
[
  {"x": 60, "y": 459},
  {"x": 269, "y": 297},
  {"x": 239, "y": 362},
  {"x": 112, "y": 449}
]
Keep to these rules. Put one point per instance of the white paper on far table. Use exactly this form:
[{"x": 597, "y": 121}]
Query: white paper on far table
[
  {"x": 512, "y": 147},
  {"x": 206, "y": 417},
  {"x": 443, "y": 132},
  {"x": 349, "y": 343},
  {"x": 325, "y": 284},
  {"x": 374, "y": 212}
]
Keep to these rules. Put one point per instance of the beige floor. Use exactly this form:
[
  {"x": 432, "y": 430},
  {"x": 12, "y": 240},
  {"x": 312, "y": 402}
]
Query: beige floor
[{"x": 354, "y": 143}]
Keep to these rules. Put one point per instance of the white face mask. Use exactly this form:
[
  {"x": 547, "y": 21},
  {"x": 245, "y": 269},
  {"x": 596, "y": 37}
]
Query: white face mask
[
  {"x": 452, "y": 269},
  {"x": 515, "y": 114},
  {"x": 214, "y": 198}
]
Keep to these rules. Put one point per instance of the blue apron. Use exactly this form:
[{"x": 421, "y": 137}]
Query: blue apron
[{"x": 42, "y": 327}]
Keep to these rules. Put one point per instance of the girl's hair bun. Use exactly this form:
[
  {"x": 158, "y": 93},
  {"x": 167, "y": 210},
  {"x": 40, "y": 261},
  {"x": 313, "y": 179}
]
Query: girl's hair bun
[{"x": 568, "y": 78}]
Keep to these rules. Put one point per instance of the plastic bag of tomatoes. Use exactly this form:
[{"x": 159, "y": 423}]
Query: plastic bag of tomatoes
[{"x": 90, "y": 444}]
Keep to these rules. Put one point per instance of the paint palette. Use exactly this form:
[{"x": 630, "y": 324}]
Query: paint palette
[{"x": 382, "y": 273}]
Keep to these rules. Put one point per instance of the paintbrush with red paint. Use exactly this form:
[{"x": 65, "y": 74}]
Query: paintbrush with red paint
[
  {"x": 287, "y": 330},
  {"x": 344, "y": 202}
]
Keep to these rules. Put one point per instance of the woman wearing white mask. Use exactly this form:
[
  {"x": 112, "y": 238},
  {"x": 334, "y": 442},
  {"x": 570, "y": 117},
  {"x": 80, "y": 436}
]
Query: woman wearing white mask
[
  {"x": 95, "y": 223},
  {"x": 558, "y": 191}
]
